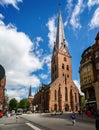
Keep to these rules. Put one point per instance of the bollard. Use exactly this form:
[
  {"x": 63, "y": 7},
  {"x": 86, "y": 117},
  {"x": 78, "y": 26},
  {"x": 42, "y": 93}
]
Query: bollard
[{"x": 16, "y": 119}]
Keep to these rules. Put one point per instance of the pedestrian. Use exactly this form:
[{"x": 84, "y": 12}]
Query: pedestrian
[
  {"x": 73, "y": 117},
  {"x": 97, "y": 122},
  {"x": 89, "y": 113}
]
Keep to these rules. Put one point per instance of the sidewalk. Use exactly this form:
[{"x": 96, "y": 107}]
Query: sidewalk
[
  {"x": 85, "y": 118},
  {"x": 66, "y": 115}
]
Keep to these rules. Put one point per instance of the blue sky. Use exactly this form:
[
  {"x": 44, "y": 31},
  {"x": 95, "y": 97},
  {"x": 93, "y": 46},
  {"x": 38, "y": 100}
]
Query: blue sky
[{"x": 27, "y": 35}]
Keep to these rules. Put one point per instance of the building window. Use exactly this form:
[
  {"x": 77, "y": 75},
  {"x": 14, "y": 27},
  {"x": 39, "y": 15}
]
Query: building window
[
  {"x": 85, "y": 69},
  {"x": 97, "y": 77},
  {"x": 75, "y": 95},
  {"x": 66, "y": 95},
  {"x": 88, "y": 68},
  {"x": 55, "y": 95},
  {"x": 65, "y": 79},
  {"x": 64, "y": 58},
  {"x": 96, "y": 54},
  {"x": 55, "y": 67},
  {"x": 67, "y": 67},
  {"x": 89, "y": 79},
  {"x": 52, "y": 70},
  {"x": 97, "y": 66},
  {"x": 62, "y": 66}
]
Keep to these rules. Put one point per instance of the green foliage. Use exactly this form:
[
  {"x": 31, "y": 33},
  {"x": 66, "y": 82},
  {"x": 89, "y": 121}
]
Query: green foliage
[
  {"x": 13, "y": 104},
  {"x": 83, "y": 102},
  {"x": 24, "y": 103}
]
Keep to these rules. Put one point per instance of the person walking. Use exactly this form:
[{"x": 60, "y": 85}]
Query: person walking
[{"x": 73, "y": 117}]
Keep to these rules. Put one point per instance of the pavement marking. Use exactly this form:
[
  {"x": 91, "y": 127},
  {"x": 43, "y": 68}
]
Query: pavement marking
[{"x": 34, "y": 127}]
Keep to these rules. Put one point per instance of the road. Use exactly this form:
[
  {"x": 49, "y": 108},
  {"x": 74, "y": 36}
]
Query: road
[
  {"x": 11, "y": 123},
  {"x": 59, "y": 122},
  {"x": 44, "y": 122}
]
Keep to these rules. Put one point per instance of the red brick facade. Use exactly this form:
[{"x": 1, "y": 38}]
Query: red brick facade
[
  {"x": 61, "y": 94},
  {"x": 64, "y": 94}
]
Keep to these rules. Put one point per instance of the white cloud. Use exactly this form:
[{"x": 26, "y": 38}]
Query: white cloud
[
  {"x": 94, "y": 23},
  {"x": 47, "y": 61},
  {"x": 37, "y": 42},
  {"x": 1, "y": 16},
  {"x": 69, "y": 7},
  {"x": 69, "y": 4},
  {"x": 77, "y": 83},
  {"x": 65, "y": 23},
  {"x": 43, "y": 76},
  {"x": 17, "y": 93},
  {"x": 52, "y": 31},
  {"x": 18, "y": 59},
  {"x": 92, "y": 3},
  {"x": 74, "y": 21},
  {"x": 14, "y": 3}
]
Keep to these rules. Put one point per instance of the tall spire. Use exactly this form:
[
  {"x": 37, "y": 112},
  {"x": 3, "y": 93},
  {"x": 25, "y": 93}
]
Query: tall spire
[
  {"x": 60, "y": 37},
  {"x": 30, "y": 92}
]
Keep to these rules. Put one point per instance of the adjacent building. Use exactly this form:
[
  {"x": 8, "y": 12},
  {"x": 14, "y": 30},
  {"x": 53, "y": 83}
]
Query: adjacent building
[
  {"x": 89, "y": 75},
  {"x": 61, "y": 94},
  {"x": 2, "y": 87}
]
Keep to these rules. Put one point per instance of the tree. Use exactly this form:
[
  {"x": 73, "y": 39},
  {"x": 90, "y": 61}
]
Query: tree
[
  {"x": 13, "y": 104},
  {"x": 24, "y": 103},
  {"x": 83, "y": 102}
]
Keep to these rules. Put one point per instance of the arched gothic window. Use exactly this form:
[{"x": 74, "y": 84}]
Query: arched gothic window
[
  {"x": 55, "y": 95},
  {"x": 62, "y": 66},
  {"x": 66, "y": 94}
]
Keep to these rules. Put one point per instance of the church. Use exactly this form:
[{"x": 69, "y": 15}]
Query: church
[{"x": 61, "y": 94}]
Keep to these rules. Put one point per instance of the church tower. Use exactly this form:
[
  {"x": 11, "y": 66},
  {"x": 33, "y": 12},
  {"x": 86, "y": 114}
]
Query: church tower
[
  {"x": 61, "y": 59},
  {"x": 64, "y": 94},
  {"x": 30, "y": 92},
  {"x": 30, "y": 98}
]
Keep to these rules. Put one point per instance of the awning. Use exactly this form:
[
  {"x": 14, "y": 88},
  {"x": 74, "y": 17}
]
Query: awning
[{"x": 91, "y": 101}]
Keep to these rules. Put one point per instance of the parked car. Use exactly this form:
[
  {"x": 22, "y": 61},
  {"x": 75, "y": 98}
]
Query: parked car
[
  {"x": 1, "y": 114},
  {"x": 12, "y": 112},
  {"x": 19, "y": 111},
  {"x": 8, "y": 114},
  {"x": 28, "y": 112}
]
